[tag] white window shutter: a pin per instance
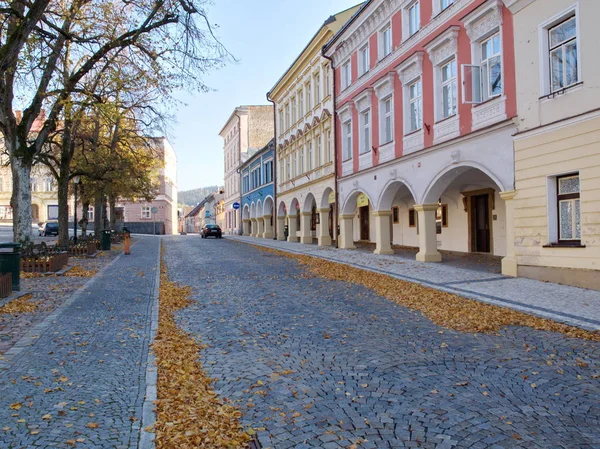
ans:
(471, 84)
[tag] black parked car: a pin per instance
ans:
(49, 228)
(211, 230)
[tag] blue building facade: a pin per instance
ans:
(258, 193)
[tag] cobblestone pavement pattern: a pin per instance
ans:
(571, 305)
(320, 363)
(83, 377)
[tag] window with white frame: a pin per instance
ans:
(317, 81)
(294, 111)
(90, 213)
(327, 80)
(415, 106)
(308, 97)
(569, 208)
(385, 42)
(346, 74)
(482, 82)
(448, 89)
(363, 60)
(288, 166)
(146, 212)
(281, 122)
(287, 116)
(386, 118)
(414, 18)
(268, 169)
(347, 139)
(319, 151)
(562, 45)
(309, 156)
(300, 103)
(328, 146)
(365, 131)
(445, 3)
(294, 164)
(301, 160)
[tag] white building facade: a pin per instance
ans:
(425, 102)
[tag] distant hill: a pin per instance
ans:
(194, 196)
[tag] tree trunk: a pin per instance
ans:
(105, 223)
(98, 206)
(113, 216)
(21, 199)
(63, 209)
(84, 220)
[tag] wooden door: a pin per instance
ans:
(480, 223)
(364, 223)
(331, 221)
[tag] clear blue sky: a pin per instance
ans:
(265, 36)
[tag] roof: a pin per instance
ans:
(268, 147)
(337, 35)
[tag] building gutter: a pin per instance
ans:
(275, 208)
(335, 152)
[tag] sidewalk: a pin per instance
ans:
(80, 375)
(571, 305)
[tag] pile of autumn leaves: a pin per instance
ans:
(189, 414)
(444, 309)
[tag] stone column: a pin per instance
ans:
(246, 226)
(260, 228)
(427, 234)
(268, 232)
(292, 228)
(281, 228)
(346, 237)
(383, 239)
(323, 228)
(253, 227)
(509, 262)
(305, 233)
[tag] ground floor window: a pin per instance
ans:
(569, 208)
(6, 213)
(441, 218)
(146, 212)
(53, 212)
(395, 214)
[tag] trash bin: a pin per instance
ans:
(286, 231)
(10, 262)
(105, 240)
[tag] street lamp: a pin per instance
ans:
(76, 180)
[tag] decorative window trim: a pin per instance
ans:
(437, 7)
(380, 44)
(363, 101)
(443, 47)
(384, 87)
(484, 21)
(408, 72)
(345, 84)
(544, 49)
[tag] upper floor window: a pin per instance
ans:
(445, 3)
(319, 150)
(347, 140)
(448, 89)
(328, 147)
(294, 164)
(346, 74)
(415, 106)
(363, 60)
(294, 110)
(301, 160)
(288, 168)
(281, 123)
(308, 97)
(317, 81)
(491, 67)
(309, 156)
(385, 39)
(300, 103)
(365, 131)
(563, 54)
(386, 120)
(268, 170)
(287, 116)
(414, 18)
(327, 80)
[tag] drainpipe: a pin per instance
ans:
(274, 214)
(336, 215)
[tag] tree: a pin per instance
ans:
(36, 35)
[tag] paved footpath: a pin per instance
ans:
(78, 379)
(318, 363)
(571, 305)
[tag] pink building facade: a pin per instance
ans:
(425, 109)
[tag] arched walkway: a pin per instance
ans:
(326, 226)
(246, 220)
(293, 220)
(355, 219)
(308, 221)
(281, 220)
(267, 215)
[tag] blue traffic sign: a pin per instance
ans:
(236, 206)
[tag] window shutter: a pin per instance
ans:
(471, 84)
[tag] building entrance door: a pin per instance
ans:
(331, 221)
(364, 223)
(480, 223)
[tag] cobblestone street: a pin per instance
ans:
(77, 379)
(318, 363)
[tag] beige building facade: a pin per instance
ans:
(305, 153)
(248, 129)
(556, 206)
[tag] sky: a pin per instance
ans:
(265, 36)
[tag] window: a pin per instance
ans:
(6, 213)
(448, 72)
(48, 184)
(415, 106)
(386, 117)
(347, 139)
(246, 184)
(268, 169)
(301, 103)
(289, 171)
(327, 80)
(414, 18)
(445, 3)
(294, 111)
(483, 82)
(346, 75)
(294, 164)
(90, 213)
(317, 80)
(287, 116)
(569, 208)
(412, 218)
(146, 212)
(301, 160)
(308, 98)
(328, 147)
(309, 163)
(365, 127)
(562, 44)
(441, 218)
(395, 215)
(319, 150)
(363, 60)
(385, 39)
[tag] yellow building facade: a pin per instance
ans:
(556, 204)
(305, 153)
